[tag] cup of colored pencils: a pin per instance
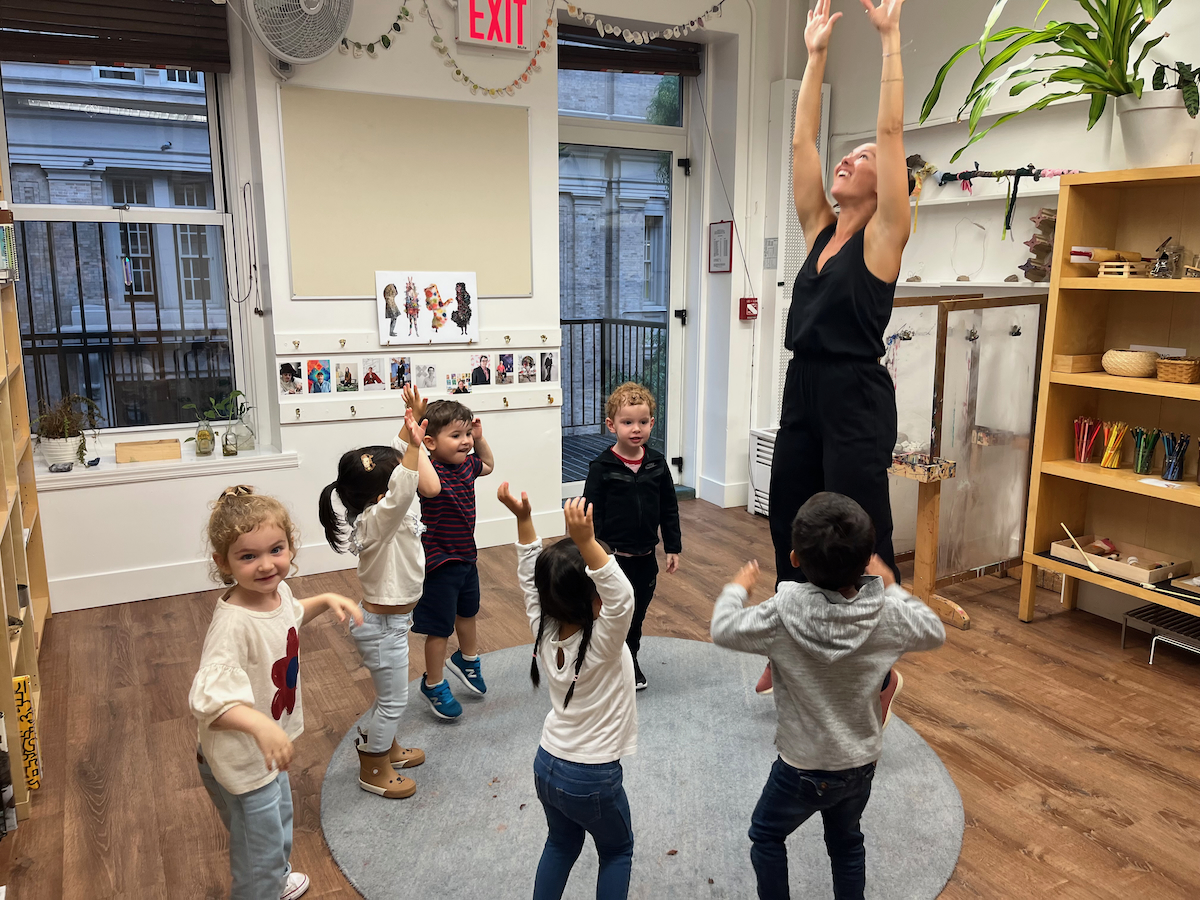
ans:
(1114, 436)
(1144, 442)
(1173, 449)
(1086, 430)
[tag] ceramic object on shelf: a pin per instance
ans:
(1156, 129)
(1131, 363)
(60, 450)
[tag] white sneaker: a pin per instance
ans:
(297, 886)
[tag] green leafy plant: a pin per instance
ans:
(229, 408)
(1096, 57)
(1185, 80)
(72, 416)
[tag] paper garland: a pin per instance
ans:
(442, 47)
(644, 37)
(384, 40)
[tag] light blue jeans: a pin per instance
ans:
(383, 645)
(260, 834)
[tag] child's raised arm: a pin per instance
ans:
(737, 627)
(428, 483)
(526, 533)
(483, 449)
(529, 548)
(580, 527)
(612, 585)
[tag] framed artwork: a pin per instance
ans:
(318, 376)
(346, 376)
(291, 378)
(400, 372)
(426, 308)
(549, 367)
(504, 369)
(374, 375)
(720, 247)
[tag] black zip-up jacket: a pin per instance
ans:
(629, 508)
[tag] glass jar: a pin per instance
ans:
(206, 440)
(244, 434)
(229, 445)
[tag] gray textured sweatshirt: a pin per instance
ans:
(829, 656)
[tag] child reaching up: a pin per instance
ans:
(579, 604)
(831, 642)
(246, 694)
(378, 488)
(450, 600)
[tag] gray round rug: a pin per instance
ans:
(475, 827)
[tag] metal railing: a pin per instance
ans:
(600, 354)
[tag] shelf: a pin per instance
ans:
(23, 446)
(1166, 176)
(969, 287)
(14, 647)
(1102, 381)
(957, 196)
(1141, 285)
(1083, 573)
(1122, 480)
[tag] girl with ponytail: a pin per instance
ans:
(377, 487)
(580, 605)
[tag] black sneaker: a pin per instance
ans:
(639, 679)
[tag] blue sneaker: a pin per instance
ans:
(441, 701)
(468, 672)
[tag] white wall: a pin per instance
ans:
(146, 539)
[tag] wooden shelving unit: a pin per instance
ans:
(22, 550)
(1127, 210)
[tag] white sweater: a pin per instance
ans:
(387, 539)
(249, 659)
(600, 725)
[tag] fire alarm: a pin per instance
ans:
(748, 308)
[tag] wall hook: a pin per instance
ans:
(973, 335)
(342, 343)
(353, 411)
(1015, 331)
(297, 412)
(543, 339)
(507, 338)
(296, 344)
(550, 398)
(470, 341)
(505, 399)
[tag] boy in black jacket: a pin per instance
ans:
(632, 496)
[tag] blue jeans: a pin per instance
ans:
(790, 797)
(383, 645)
(582, 799)
(260, 834)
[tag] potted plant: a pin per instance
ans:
(230, 410)
(1153, 125)
(62, 428)
(1093, 58)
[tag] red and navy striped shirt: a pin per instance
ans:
(450, 516)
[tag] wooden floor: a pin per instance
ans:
(1079, 765)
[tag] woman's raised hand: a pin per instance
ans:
(820, 27)
(885, 17)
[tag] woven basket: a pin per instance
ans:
(1179, 369)
(1131, 363)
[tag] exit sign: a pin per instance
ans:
(496, 24)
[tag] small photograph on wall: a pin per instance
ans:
(549, 367)
(426, 307)
(400, 372)
(318, 376)
(374, 375)
(458, 383)
(481, 369)
(504, 369)
(347, 376)
(425, 377)
(528, 373)
(291, 378)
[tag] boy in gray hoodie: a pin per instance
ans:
(831, 643)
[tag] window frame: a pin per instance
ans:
(239, 328)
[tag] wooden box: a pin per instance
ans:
(1074, 363)
(1064, 549)
(148, 451)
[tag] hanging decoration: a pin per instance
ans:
(384, 41)
(443, 47)
(645, 37)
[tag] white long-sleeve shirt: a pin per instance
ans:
(600, 725)
(250, 659)
(387, 539)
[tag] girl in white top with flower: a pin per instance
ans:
(246, 694)
(580, 604)
(377, 486)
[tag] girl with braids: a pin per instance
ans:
(377, 486)
(580, 604)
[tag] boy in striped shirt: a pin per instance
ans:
(450, 599)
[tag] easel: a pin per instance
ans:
(930, 470)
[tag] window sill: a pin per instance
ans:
(190, 466)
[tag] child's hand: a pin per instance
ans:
(344, 606)
(519, 508)
(672, 563)
(580, 527)
(747, 576)
(415, 426)
(414, 401)
(477, 429)
(275, 745)
(878, 567)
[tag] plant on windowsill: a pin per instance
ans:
(229, 410)
(1095, 58)
(62, 428)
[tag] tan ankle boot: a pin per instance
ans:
(375, 774)
(406, 758)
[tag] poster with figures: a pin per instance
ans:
(426, 308)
